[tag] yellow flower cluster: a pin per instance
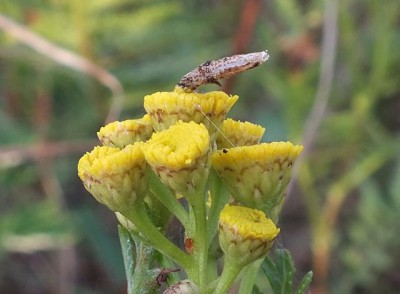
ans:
(174, 140)
(177, 139)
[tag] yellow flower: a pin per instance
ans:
(245, 234)
(258, 175)
(122, 133)
(167, 108)
(116, 178)
(180, 156)
(237, 133)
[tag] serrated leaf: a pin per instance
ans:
(280, 273)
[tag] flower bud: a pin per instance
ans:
(122, 133)
(257, 176)
(116, 178)
(180, 156)
(167, 108)
(245, 234)
(236, 133)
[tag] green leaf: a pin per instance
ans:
(272, 274)
(281, 272)
(128, 254)
(285, 267)
(105, 248)
(304, 283)
(256, 290)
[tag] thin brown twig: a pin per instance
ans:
(319, 108)
(68, 59)
(14, 155)
(321, 246)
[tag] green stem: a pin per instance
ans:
(219, 197)
(200, 239)
(249, 277)
(228, 277)
(141, 220)
(167, 198)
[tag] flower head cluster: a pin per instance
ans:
(174, 138)
(183, 135)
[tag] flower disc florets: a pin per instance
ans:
(180, 155)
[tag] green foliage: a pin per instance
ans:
(370, 252)
(28, 229)
(106, 249)
(280, 274)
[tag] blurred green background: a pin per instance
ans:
(332, 83)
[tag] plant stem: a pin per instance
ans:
(219, 197)
(200, 239)
(141, 220)
(230, 272)
(168, 199)
(249, 277)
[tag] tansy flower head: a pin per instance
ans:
(166, 108)
(237, 133)
(180, 155)
(122, 133)
(245, 234)
(116, 178)
(258, 175)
